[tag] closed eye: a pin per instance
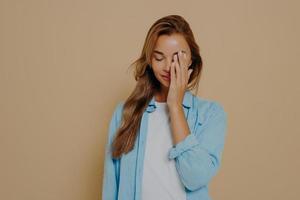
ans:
(159, 59)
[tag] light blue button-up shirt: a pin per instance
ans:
(197, 157)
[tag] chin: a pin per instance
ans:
(165, 84)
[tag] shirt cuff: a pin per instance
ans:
(187, 143)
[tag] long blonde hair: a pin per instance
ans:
(147, 84)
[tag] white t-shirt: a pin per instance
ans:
(160, 179)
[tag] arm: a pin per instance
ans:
(110, 177)
(198, 155)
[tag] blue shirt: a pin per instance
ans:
(197, 156)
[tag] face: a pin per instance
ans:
(162, 57)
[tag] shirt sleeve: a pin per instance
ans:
(198, 155)
(110, 176)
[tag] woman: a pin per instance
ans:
(164, 143)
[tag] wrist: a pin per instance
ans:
(174, 107)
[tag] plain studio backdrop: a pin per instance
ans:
(64, 65)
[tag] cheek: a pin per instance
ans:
(157, 69)
(157, 65)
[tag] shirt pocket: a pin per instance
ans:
(199, 119)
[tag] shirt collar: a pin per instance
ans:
(187, 101)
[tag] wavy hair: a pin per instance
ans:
(147, 84)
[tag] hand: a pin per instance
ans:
(179, 79)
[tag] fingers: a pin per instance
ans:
(181, 73)
(189, 70)
(178, 71)
(183, 67)
(173, 77)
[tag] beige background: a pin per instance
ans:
(64, 66)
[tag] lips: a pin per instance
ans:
(166, 77)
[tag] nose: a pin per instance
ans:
(168, 64)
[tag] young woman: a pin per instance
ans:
(164, 143)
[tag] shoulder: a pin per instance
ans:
(115, 120)
(207, 108)
(117, 113)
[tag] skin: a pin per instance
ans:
(172, 91)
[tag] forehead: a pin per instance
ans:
(169, 44)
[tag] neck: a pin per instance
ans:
(162, 95)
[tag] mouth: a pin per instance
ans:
(167, 78)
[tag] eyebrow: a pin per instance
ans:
(159, 52)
